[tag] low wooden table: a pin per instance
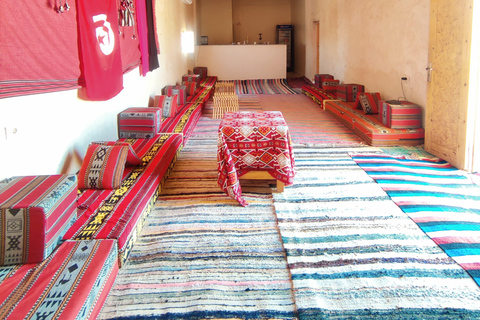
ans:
(254, 145)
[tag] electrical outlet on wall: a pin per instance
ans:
(405, 78)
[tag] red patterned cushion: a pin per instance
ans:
(202, 71)
(132, 158)
(330, 86)
(168, 104)
(139, 122)
(191, 77)
(190, 87)
(178, 90)
(369, 102)
(35, 212)
(320, 78)
(102, 167)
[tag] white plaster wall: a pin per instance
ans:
(244, 62)
(51, 125)
(374, 43)
(173, 17)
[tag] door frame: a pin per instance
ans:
(459, 152)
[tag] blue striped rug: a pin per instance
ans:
(201, 255)
(441, 199)
(353, 254)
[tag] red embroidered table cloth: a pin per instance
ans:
(250, 141)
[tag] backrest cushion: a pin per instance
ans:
(132, 158)
(369, 102)
(102, 167)
(168, 104)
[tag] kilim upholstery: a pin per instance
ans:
(83, 236)
(119, 214)
(370, 129)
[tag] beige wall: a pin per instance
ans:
(373, 43)
(300, 33)
(242, 62)
(173, 17)
(251, 17)
(51, 125)
(215, 21)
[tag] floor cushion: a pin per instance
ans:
(73, 283)
(36, 211)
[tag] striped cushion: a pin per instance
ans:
(119, 214)
(349, 92)
(132, 158)
(139, 123)
(369, 102)
(102, 167)
(35, 213)
(202, 71)
(190, 87)
(191, 78)
(179, 90)
(168, 104)
(320, 78)
(73, 283)
(330, 86)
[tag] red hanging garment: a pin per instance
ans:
(100, 58)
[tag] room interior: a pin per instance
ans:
(374, 43)
(343, 32)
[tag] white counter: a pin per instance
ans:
(243, 62)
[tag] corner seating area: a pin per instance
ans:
(382, 124)
(64, 237)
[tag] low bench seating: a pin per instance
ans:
(317, 95)
(188, 114)
(366, 126)
(72, 283)
(370, 129)
(184, 121)
(85, 224)
(120, 213)
(35, 213)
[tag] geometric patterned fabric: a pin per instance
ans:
(119, 214)
(35, 212)
(253, 141)
(102, 167)
(72, 283)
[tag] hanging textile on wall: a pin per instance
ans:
(141, 11)
(146, 35)
(129, 42)
(100, 48)
(152, 37)
(38, 48)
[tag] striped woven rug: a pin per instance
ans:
(264, 86)
(309, 125)
(207, 127)
(201, 255)
(353, 254)
(441, 199)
